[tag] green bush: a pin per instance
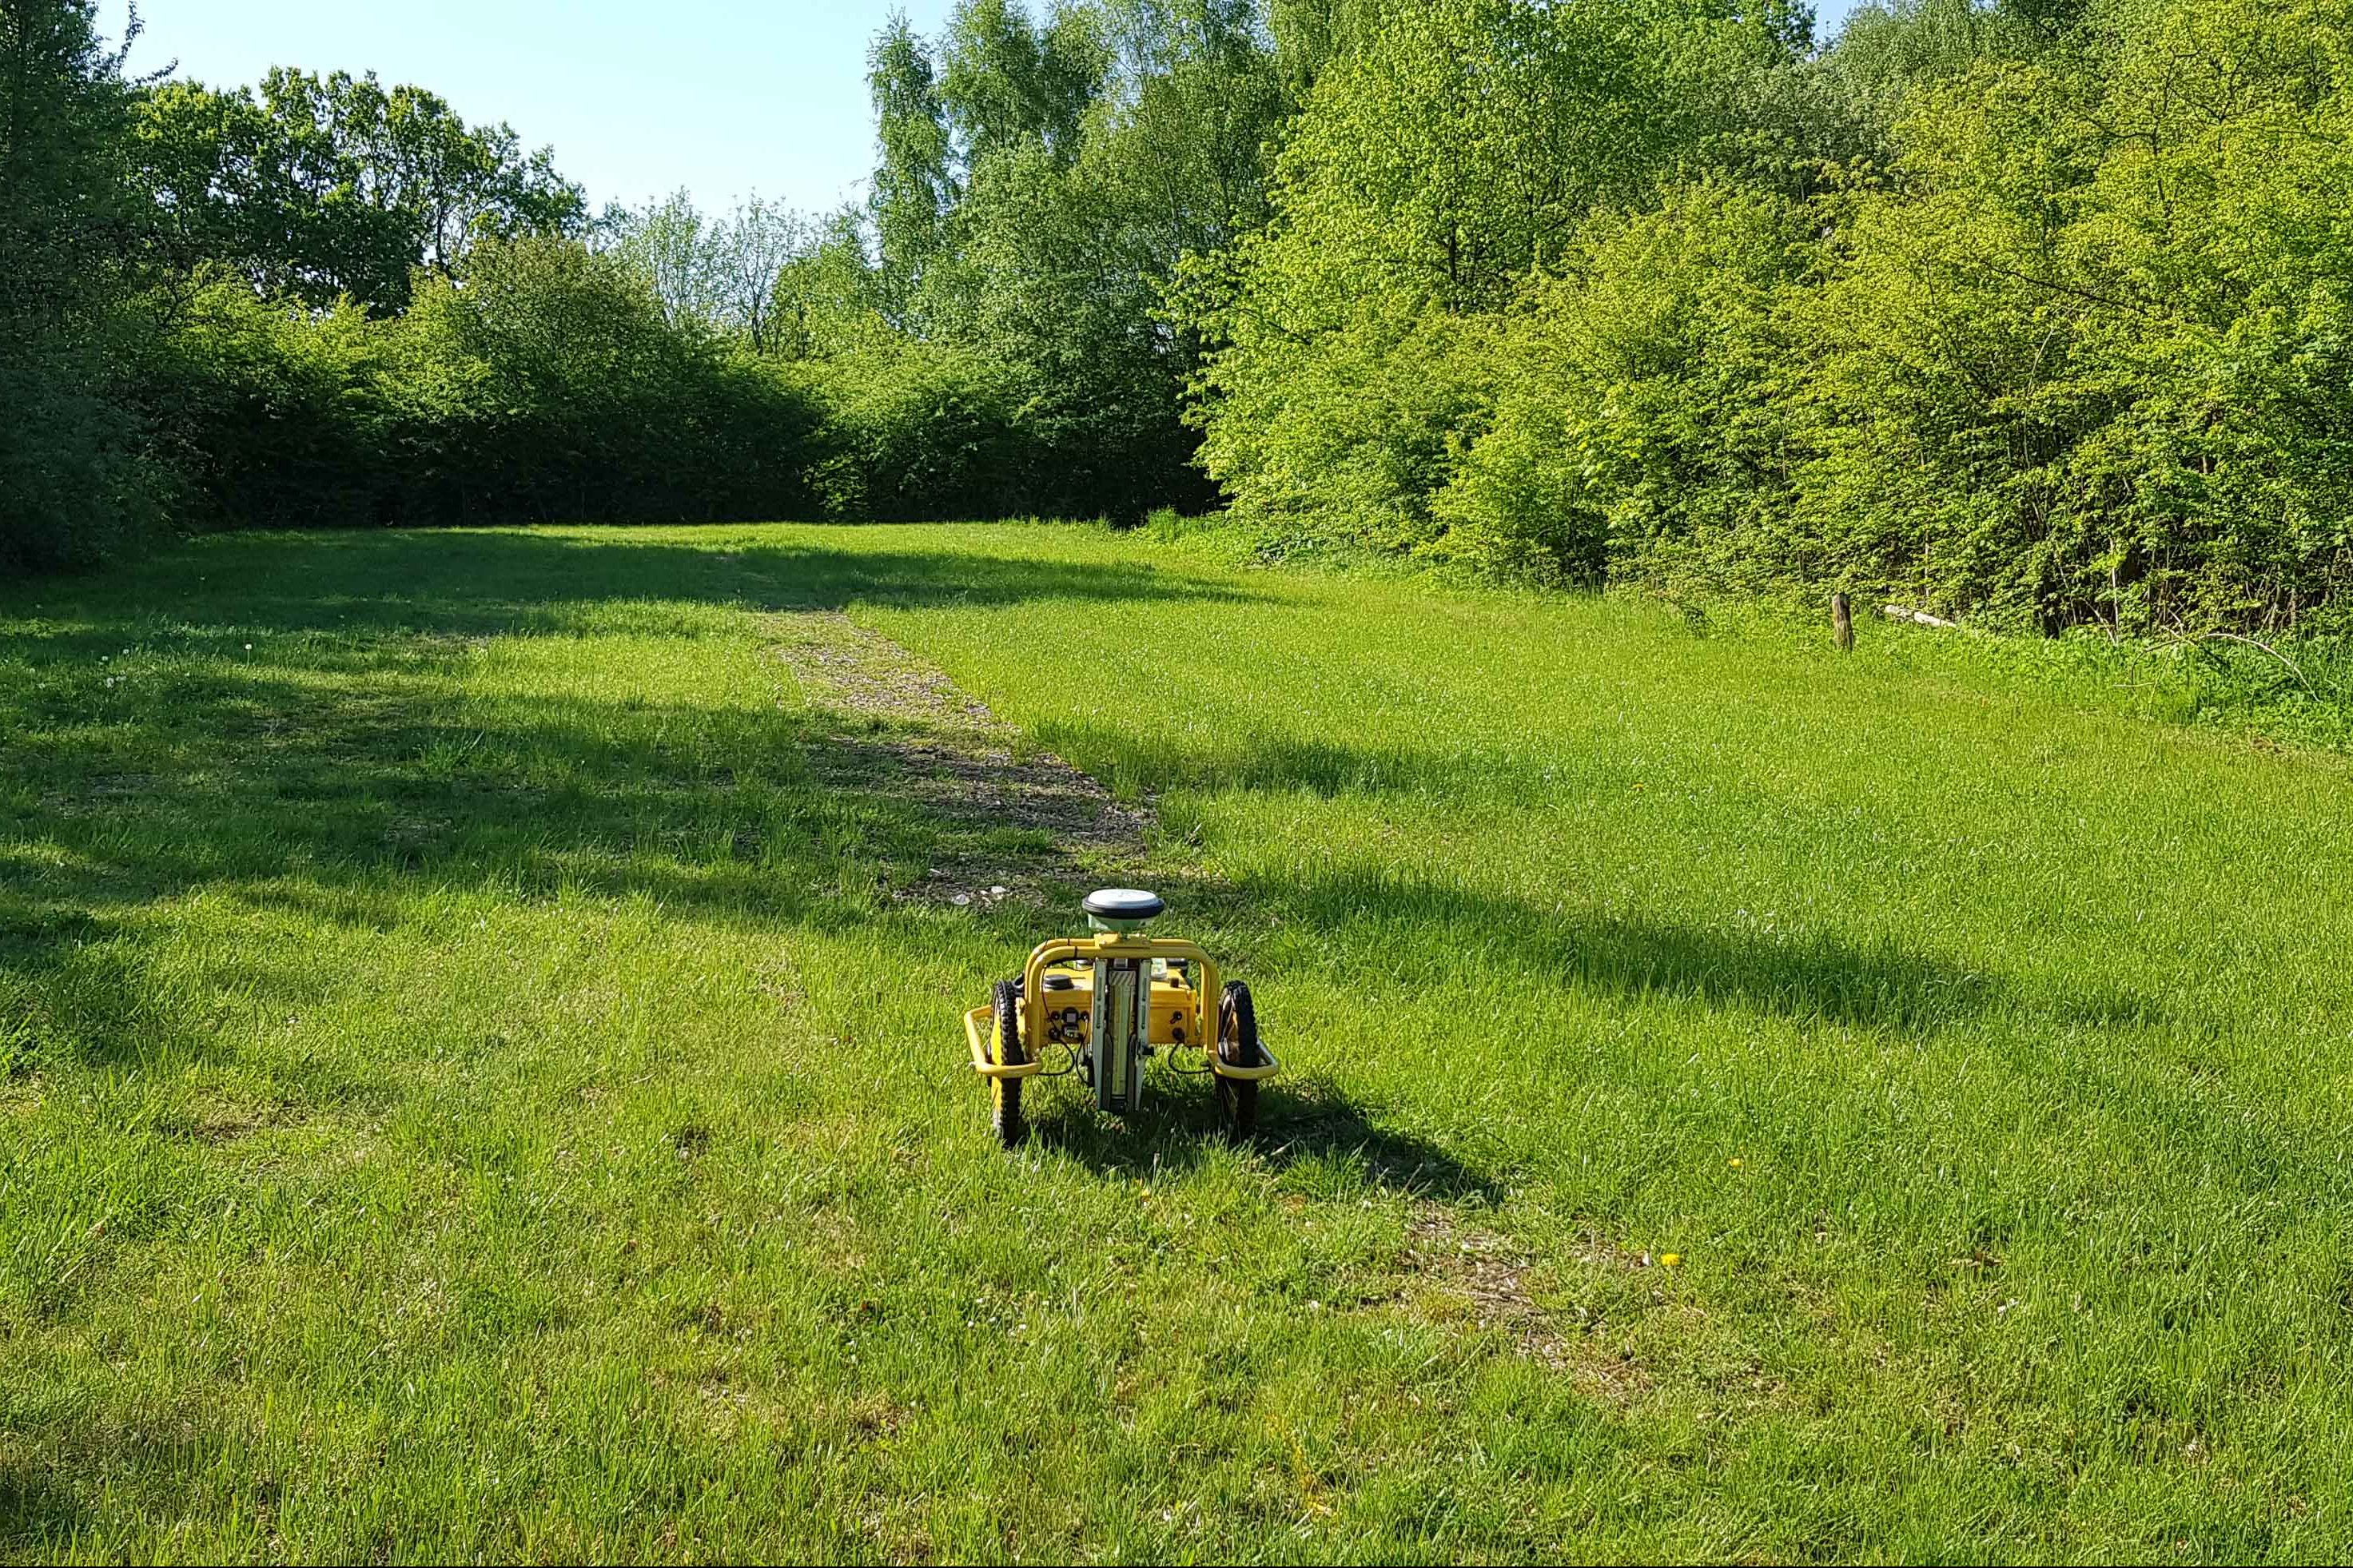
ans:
(1424, 200)
(270, 415)
(76, 485)
(1641, 419)
(2038, 312)
(2088, 360)
(2065, 340)
(917, 432)
(550, 385)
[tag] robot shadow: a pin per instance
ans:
(1308, 1129)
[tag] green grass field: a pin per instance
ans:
(480, 1076)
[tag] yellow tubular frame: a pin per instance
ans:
(1107, 944)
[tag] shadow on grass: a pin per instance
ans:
(1424, 931)
(468, 582)
(352, 801)
(342, 788)
(343, 808)
(342, 768)
(339, 785)
(1310, 1130)
(36, 1513)
(68, 990)
(1427, 934)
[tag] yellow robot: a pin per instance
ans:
(1109, 1001)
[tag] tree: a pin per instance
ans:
(1453, 152)
(721, 274)
(1043, 181)
(1007, 80)
(1066, 253)
(2088, 361)
(750, 251)
(64, 218)
(913, 187)
(74, 482)
(829, 297)
(664, 243)
(321, 187)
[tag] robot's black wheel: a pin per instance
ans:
(1004, 1050)
(1238, 1048)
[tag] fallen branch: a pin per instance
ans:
(2290, 665)
(1919, 617)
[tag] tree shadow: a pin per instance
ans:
(343, 776)
(350, 811)
(1312, 1120)
(347, 783)
(480, 582)
(1428, 929)
(1431, 934)
(68, 989)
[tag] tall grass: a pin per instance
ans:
(473, 1086)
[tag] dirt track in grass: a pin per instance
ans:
(905, 728)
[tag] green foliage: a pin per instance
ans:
(269, 413)
(320, 187)
(328, 300)
(75, 484)
(1036, 206)
(1642, 404)
(1007, 82)
(62, 211)
(1437, 168)
(912, 187)
(723, 275)
(913, 431)
(551, 385)
(830, 298)
(2089, 363)
(2034, 312)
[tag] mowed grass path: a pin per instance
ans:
(470, 1087)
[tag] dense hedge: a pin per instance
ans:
(2035, 314)
(549, 386)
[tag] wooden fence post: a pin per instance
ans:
(1842, 621)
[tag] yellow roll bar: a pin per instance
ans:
(1105, 944)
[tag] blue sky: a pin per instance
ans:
(638, 97)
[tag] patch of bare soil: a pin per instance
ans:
(949, 755)
(1466, 1272)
